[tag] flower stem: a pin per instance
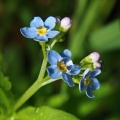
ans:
(56, 39)
(43, 48)
(27, 94)
(37, 84)
(53, 43)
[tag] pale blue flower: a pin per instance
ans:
(40, 31)
(89, 82)
(62, 65)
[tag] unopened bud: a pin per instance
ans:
(96, 65)
(58, 20)
(66, 23)
(95, 56)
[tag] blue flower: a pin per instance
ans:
(89, 82)
(39, 30)
(62, 65)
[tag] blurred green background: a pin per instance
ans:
(95, 27)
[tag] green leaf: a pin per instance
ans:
(4, 103)
(1, 61)
(55, 101)
(79, 35)
(4, 83)
(6, 98)
(106, 38)
(44, 113)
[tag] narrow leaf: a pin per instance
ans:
(106, 38)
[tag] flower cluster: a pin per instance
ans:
(61, 64)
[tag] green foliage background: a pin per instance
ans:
(95, 27)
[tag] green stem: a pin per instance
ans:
(43, 69)
(37, 83)
(43, 48)
(44, 64)
(27, 94)
(57, 39)
(53, 43)
(47, 81)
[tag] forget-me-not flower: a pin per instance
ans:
(89, 82)
(62, 65)
(39, 30)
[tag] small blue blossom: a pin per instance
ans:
(40, 31)
(62, 65)
(89, 82)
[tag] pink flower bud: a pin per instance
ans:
(96, 65)
(94, 56)
(58, 20)
(66, 23)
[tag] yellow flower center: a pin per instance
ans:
(61, 66)
(87, 82)
(41, 30)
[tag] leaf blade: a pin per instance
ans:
(44, 113)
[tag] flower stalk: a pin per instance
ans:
(34, 88)
(37, 83)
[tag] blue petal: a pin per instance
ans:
(52, 34)
(89, 93)
(42, 38)
(69, 68)
(95, 85)
(67, 78)
(75, 70)
(50, 22)
(53, 57)
(28, 32)
(53, 72)
(66, 53)
(82, 85)
(95, 73)
(36, 22)
(86, 72)
(67, 61)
